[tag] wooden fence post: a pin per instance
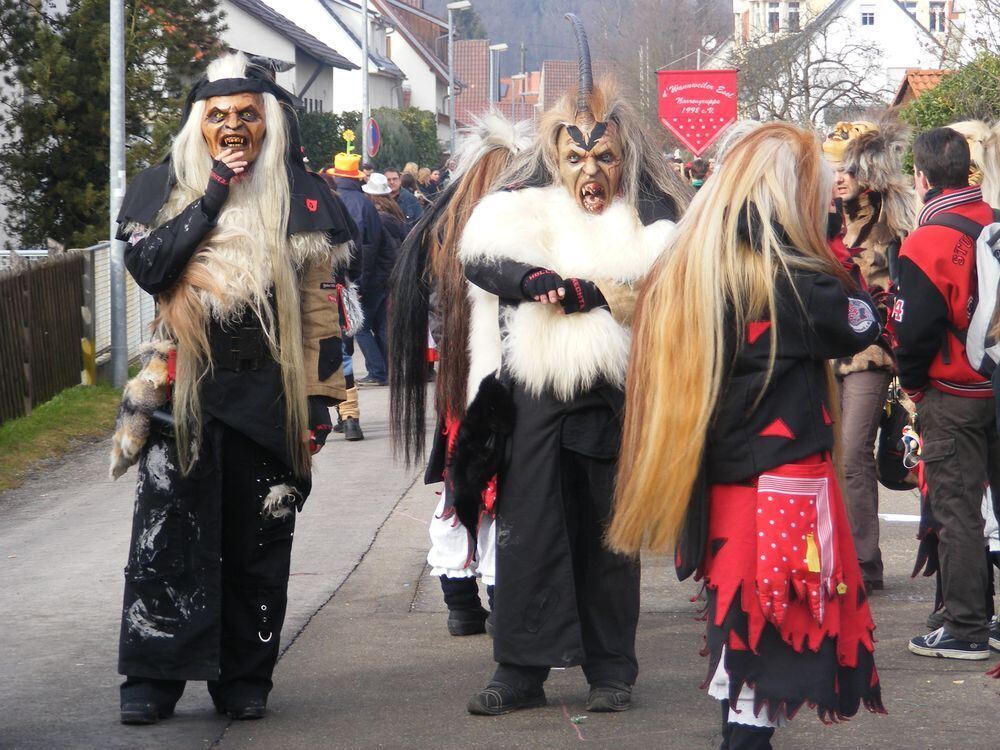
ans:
(89, 313)
(27, 394)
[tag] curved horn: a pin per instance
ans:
(583, 114)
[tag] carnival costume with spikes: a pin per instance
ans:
(245, 361)
(586, 210)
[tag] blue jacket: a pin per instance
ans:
(410, 207)
(369, 229)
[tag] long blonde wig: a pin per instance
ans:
(234, 270)
(678, 362)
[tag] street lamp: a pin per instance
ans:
(452, 7)
(495, 71)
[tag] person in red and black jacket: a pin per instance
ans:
(955, 404)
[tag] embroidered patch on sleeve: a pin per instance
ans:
(859, 315)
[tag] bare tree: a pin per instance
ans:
(819, 74)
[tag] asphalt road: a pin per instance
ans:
(369, 663)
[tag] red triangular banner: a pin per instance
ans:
(697, 105)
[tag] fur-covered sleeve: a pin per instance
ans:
(321, 331)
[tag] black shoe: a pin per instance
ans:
(143, 712)
(467, 621)
(352, 429)
(498, 698)
(339, 427)
(606, 697)
(942, 644)
(368, 380)
(248, 710)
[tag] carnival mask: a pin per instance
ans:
(235, 122)
(590, 165)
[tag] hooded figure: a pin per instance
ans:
(238, 243)
(879, 209)
(555, 260)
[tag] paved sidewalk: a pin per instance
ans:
(370, 663)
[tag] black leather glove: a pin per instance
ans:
(319, 423)
(582, 296)
(540, 281)
(218, 189)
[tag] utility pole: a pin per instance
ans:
(524, 52)
(365, 113)
(116, 106)
(452, 7)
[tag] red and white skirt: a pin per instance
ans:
(788, 619)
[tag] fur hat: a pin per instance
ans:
(843, 133)
(875, 156)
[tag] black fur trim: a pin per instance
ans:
(479, 449)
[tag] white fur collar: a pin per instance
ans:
(543, 350)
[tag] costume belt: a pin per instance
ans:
(239, 348)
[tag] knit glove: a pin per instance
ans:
(319, 423)
(218, 188)
(539, 282)
(582, 296)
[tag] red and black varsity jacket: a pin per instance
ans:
(937, 287)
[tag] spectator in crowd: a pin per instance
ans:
(377, 264)
(698, 173)
(879, 209)
(424, 190)
(366, 171)
(408, 181)
(411, 168)
(955, 403)
(347, 179)
(406, 200)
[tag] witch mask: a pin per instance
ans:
(235, 122)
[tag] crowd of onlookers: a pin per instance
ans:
(384, 207)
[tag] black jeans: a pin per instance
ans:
(961, 453)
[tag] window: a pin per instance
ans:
(937, 19)
(867, 15)
(793, 17)
(911, 7)
(773, 17)
(313, 105)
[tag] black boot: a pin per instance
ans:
(513, 687)
(609, 696)
(352, 429)
(466, 615)
(743, 737)
(146, 701)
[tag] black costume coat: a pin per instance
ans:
(171, 620)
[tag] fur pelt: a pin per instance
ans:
(479, 449)
(281, 501)
(875, 158)
(544, 350)
(143, 394)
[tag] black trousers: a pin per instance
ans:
(255, 556)
(607, 584)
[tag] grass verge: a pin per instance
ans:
(78, 414)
